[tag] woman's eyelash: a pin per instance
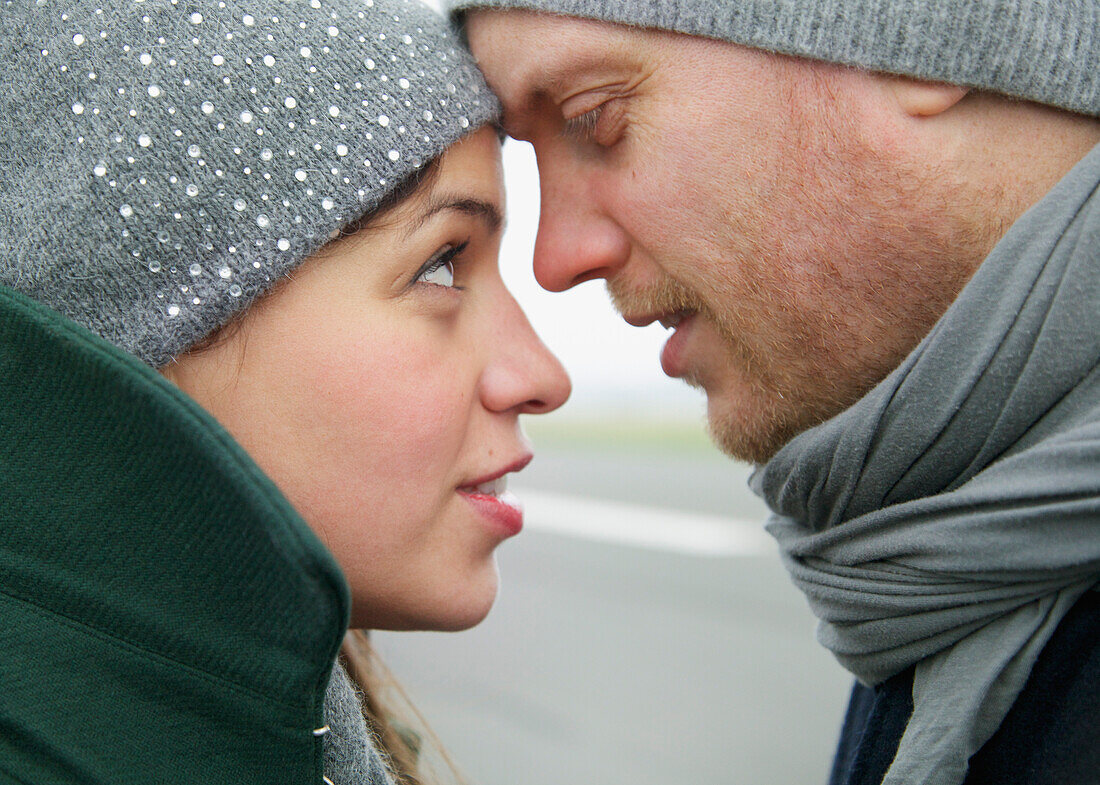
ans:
(583, 127)
(443, 257)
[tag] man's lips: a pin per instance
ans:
(667, 320)
(673, 357)
(673, 361)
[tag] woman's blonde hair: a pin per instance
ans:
(414, 753)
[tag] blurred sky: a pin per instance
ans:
(615, 367)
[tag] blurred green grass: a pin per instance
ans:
(619, 433)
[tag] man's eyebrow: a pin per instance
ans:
(533, 94)
(551, 81)
(488, 212)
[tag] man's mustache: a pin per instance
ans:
(665, 297)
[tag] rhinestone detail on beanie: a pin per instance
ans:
(204, 149)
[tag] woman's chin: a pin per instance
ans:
(452, 613)
(459, 621)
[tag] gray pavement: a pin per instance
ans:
(612, 663)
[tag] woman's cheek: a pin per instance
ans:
(405, 394)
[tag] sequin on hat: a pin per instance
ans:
(166, 162)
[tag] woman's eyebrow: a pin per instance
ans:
(488, 212)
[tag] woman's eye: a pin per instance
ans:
(441, 274)
(440, 269)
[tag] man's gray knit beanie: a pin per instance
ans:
(163, 162)
(1041, 50)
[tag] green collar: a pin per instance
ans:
(164, 608)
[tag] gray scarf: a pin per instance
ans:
(350, 755)
(951, 517)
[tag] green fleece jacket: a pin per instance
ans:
(165, 615)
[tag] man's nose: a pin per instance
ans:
(578, 240)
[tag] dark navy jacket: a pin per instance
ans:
(1051, 735)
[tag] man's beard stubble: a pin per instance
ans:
(830, 279)
(777, 419)
(793, 374)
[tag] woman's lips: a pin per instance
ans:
(673, 361)
(492, 499)
(504, 510)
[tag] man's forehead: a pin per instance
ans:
(535, 57)
(534, 47)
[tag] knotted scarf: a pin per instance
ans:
(951, 517)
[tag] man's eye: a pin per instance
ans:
(603, 125)
(440, 269)
(582, 128)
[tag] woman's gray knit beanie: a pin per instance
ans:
(163, 162)
(1041, 50)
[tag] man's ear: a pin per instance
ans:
(918, 98)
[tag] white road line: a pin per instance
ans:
(644, 527)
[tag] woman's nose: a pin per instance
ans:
(522, 374)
